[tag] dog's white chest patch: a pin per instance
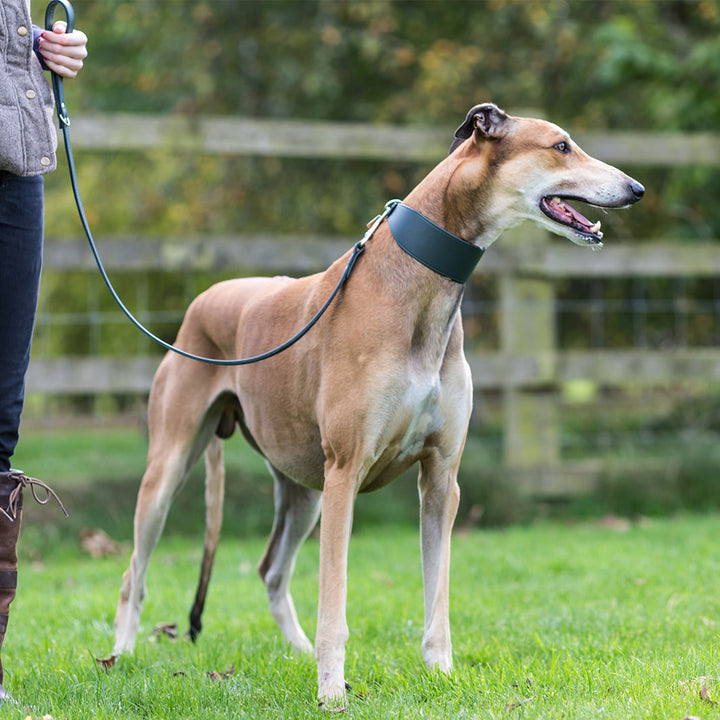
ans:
(425, 418)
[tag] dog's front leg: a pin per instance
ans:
(332, 631)
(439, 499)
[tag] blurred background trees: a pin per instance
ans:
(634, 64)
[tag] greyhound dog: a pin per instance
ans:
(380, 383)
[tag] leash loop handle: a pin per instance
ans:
(57, 81)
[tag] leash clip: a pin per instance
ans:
(373, 225)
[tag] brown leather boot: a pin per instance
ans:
(10, 518)
(11, 486)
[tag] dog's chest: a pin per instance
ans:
(422, 410)
(409, 421)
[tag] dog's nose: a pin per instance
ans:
(637, 189)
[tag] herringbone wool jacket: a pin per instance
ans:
(27, 136)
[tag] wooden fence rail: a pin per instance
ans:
(309, 253)
(316, 139)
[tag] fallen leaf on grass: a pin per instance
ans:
(701, 683)
(168, 630)
(107, 662)
(518, 703)
(223, 675)
(528, 682)
(705, 695)
(98, 544)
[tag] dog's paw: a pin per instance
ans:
(332, 706)
(437, 655)
(333, 699)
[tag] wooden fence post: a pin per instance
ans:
(531, 431)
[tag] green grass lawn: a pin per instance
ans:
(551, 621)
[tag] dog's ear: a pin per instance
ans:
(489, 120)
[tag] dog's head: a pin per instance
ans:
(522, 168)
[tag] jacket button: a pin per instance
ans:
(44, 161)
(30, 94)
(22, 31)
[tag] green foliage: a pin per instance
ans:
(629, 65)
(418, 61)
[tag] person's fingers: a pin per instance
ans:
(63, 52)
(62, 65)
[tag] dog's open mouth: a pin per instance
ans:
(559, 210)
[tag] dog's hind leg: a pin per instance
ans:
(439, 500)
(297, 509)
(181, 424)
(214, 496)
(162, 477)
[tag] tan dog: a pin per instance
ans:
(379, 384)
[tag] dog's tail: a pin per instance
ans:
(214, 497)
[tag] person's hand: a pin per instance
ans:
(63, 52)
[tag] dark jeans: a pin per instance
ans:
(21, 241)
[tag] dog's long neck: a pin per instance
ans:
(456, 196)
(425, 303)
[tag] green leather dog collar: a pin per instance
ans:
(437, 249)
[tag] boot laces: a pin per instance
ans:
(33, 483)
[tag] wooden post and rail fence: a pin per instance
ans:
(528, 367)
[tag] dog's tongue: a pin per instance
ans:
(571, 216)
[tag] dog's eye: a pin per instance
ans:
(562, 147)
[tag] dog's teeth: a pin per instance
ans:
(596, 228)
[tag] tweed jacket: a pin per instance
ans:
(27, 136)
